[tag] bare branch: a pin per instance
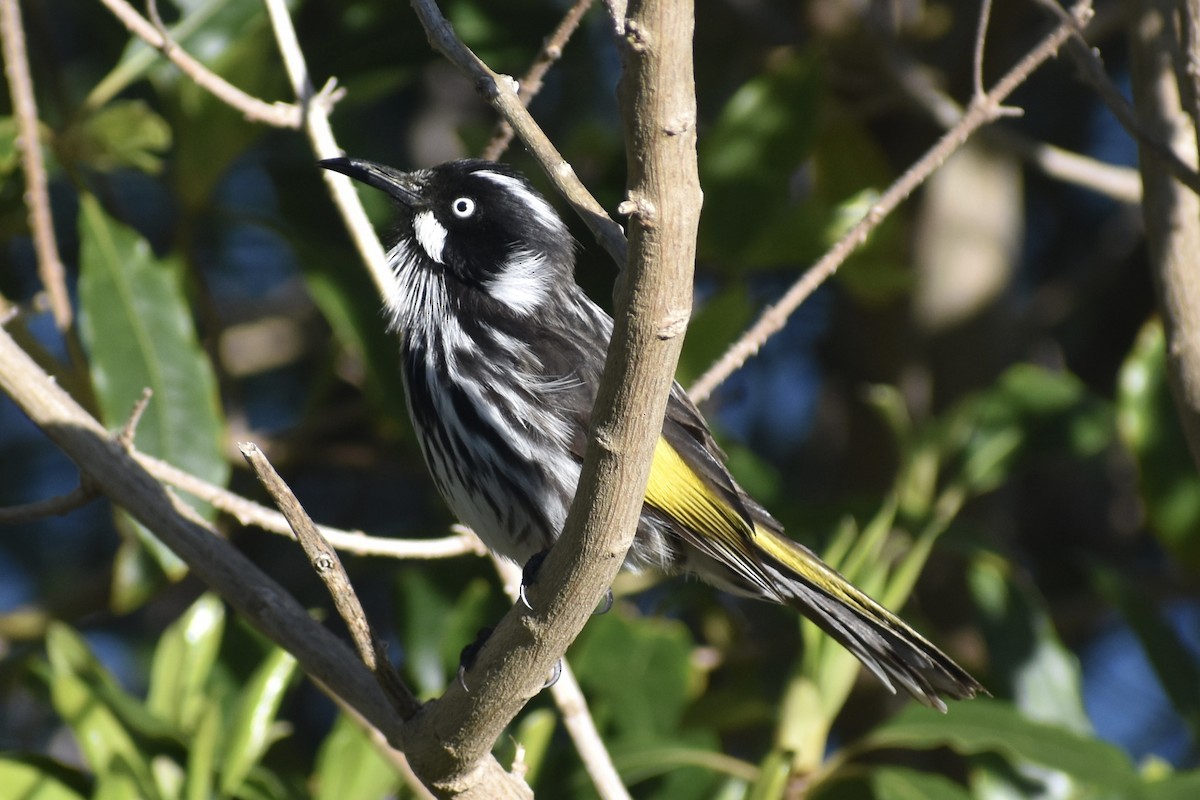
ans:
(1092, 68)
(1171, 210)
(531, 83)
(255, 595)
(279, 115)
(320, 135)
(37, 197)
(572, 705)
(652, 302)
(1123, 184)
(499, 91)
(249, 513)
(129, 429)
(982, 110)
(325, 562)
(985, 15)
(59, 506)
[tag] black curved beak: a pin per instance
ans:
(402, 186)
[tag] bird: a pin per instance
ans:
(501, 355)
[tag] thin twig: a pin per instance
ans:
(983, 109)
(279, 115)
(37, 197)
(1093, 72)
(1123, 184)
(329, 569)
(499, 91)
(531, 83)
(59, 506)
(129, 429)
(985, 15)
(320, 135)
(249, 513)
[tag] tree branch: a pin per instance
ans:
(653, 300)
(279, 115)
(982, 110)
(500, 93)
(1170, 209)
(320, 135)
(531, 82)
(325, 562)
(1122, 184)
(1092, 69)
(256, 596)
(37, 196)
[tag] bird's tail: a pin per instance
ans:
(891, 649)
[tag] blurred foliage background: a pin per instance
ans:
(973, 413)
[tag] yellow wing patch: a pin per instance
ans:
(675, 489)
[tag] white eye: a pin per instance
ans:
(463, 207)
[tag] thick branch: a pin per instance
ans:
(653, 300)
(256, 596)
(1171, 210)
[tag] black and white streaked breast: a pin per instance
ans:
(480, 395)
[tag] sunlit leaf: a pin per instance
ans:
(137, 326)
(1149, 426)
(1026, 654)
(989, 726)
(124, 133)
(183, 661)
(349, 765)
(254, 727)
(35, 777)
(107, 744)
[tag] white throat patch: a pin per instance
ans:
(431, 236)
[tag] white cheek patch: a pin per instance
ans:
(521, 283)
(431, 236)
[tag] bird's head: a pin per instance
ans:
(480, 222)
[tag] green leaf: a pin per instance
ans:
(437, 626)
(35, 777)
(534, 735)
(183, 661)
(137, 327)
(108, 746)
(897, 783)
(202, 754)
(982, 726)
(1029, 410)
(254, 728)
(125, 133)
(1148, 424)
(1182, 786)
(9, 156)
(747, 159)
(615, 648)
(1042, 676)
(350, 766)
